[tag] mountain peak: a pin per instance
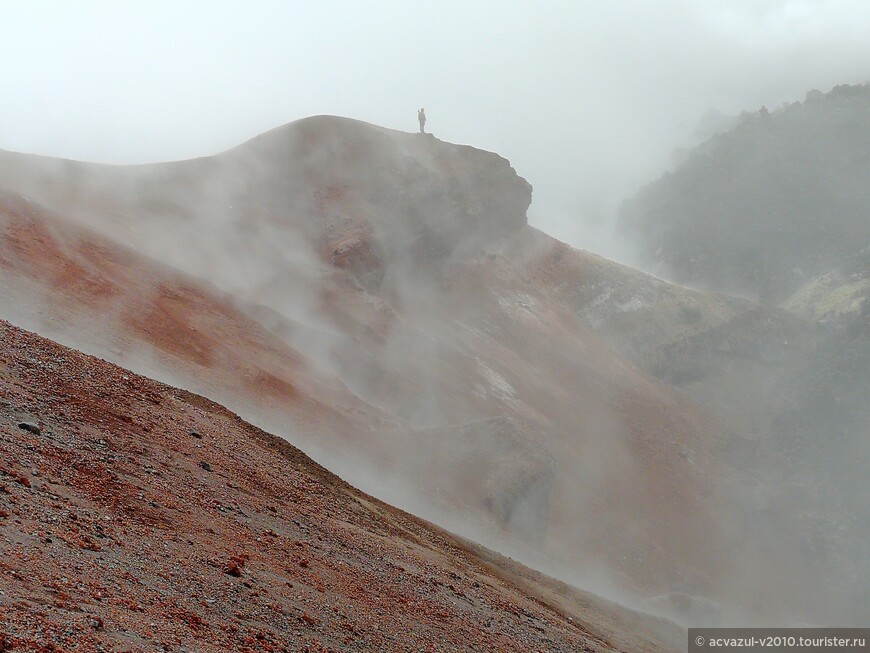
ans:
(418, 197)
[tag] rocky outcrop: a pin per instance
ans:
(424, 199)
(351, 245)
(422, 196)
(365, 197)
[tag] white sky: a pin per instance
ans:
(586, 98)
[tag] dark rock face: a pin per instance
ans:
(351, 245)
(30, 427)
(419, 199)
(761, 209)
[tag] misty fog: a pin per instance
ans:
(588, 100)
(599, 423)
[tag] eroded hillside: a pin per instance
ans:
(139, 516)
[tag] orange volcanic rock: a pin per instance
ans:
(60, 274)
(115, 536)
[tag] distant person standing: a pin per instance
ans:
(421, 118)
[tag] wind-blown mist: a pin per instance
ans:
(377, 298)
(386, 316)
(589, 99)
(776, 208)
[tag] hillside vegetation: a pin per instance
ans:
(763, 208)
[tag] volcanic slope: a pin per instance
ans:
(73, 284)
(379, 284)
(138, 516)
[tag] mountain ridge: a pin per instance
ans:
(456, 331)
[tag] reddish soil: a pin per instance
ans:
(196, 332)
(145, 518)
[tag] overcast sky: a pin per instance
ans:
(586, 98)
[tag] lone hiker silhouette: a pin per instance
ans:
(421, 118)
